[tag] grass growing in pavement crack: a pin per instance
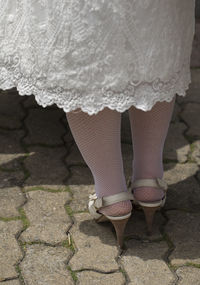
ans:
(24, 219)
(73, 274)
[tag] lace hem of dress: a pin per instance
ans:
(143, 95)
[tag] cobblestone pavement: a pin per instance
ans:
(46, 234)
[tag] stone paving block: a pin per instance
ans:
(189, 115)
(46, 167)
(80, 175)
(95, 244)
(126, 128)
(74, 156)
(136, 226)
(46, 265)
(195, 155)
(80, 197)
(44, 127)
(183, 230)
(11, 179)
(176, 112)
(176, 146)
(195, 58)
(10, 200)
(193, 91)
(144, 264)
(10, 110)
(11, 282)
(10, 149)
(10, 252)
(49, 221)
(184, 190)
(188, 275)
(95, 278)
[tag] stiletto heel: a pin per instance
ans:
(150, 208)
(149, 215)
(119, 222)
(119, 226)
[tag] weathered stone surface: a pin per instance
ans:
(10, 149)
(80, 175)
(11, 282)
(189, 115)
(80, 197)
(49, 221)
(195, 155)
(143, 262)
(42, 124)
(46, 265)
(195, 58)
(126, 128)
(183, 229)
(10, 253)
(188, 275)
(10, 110)
(11, 179)
(176, 112)
(194, 87)
(95, 278)
(176, 146)
(74, 156)
(95, 243)
(46, 167)
(184, 190)
(127, 155)
(136, 226)
(10, 200)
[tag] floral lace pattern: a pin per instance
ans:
(91, 54)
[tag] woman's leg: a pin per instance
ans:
(149, 131)
(99, 141)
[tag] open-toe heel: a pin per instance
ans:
(119, 222)
(150, 208)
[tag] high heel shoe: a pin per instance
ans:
(150, 208)
(119, 222)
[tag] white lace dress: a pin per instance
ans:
(92, 54)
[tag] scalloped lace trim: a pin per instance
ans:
(142, 95)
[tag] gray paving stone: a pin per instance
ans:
(143, 262)
(80, 175)
(95, 244)
(49, 221)
(10, 253)
(11, 179)
(10, 110)
(44, 127)
(11, 149)
(80, 197)
(195, 155)
(195, 58)
(46, 265)
(188, 275)
(95, 278)
(136, 226)
(176, 146)
(176, 112)
(189, 115)
(184, 190)
(193, 91)
(10, 200)
(46, 167)
(74, 156)
(183, 229)
(11, 282)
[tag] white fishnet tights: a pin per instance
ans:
(98, 138)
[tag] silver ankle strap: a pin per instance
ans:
(109, 200)
(157, 183)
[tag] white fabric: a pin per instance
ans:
(90, 54)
